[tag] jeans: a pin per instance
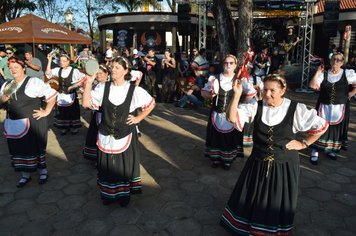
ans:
(193, 99)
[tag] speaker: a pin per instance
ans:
(331, 17)
(184, 27)
(184, 12)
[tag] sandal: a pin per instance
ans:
(43, 178)
(23, 181)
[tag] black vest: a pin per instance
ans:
(21, 106)
(114, 118)
(65, 83)
(270, 141)
(223, 99)
(334, 93)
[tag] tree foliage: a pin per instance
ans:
(11, 9)
(133, 5)
(50, 9)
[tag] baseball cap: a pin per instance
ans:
(134, 51)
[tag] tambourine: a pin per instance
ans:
(91, 67)
(10, 88)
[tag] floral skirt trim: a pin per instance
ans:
(240, 226)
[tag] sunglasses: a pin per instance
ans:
(8, 53)
(229, 63)
(337, 60)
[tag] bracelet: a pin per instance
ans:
(305, 142)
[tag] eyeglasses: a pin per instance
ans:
(9, 53)
(229, 62)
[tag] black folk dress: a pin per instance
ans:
(27, 152)
(118, 173)
(68, 115)
(223, 142)
(264, 199)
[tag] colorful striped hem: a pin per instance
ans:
(242, 226)
(327, 145)
(226, 156)
(28, 163)
(122, 189)
(90, 153)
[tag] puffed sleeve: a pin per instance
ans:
(245, 114)
(320, 78)
(77, 76)
(135, 75)
(308, 120)
(210, 84)
(97, 95)
(54, 72)
(351, 77)
(37, 88)
(141, 99)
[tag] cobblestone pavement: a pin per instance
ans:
(182, 194)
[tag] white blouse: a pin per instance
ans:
(304, 119)
(334, 113)
(63, 99)
(36, 88)
(219, 120)
(117, 95)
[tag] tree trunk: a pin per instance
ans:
(244, 27)
(225, 28)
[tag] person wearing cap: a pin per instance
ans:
(33, 66)
(137, 64)
(68, 117)
(4, 69)
(26, 126)
(290, 40)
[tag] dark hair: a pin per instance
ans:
(16, 60)
(9, 49)
(104, 68)
(126, 64)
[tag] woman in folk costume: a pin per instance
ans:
(223, 142)
(26, 125)
(118, 155)
(333, 96)
(68, 117)
(264, 199)
(90, 149)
